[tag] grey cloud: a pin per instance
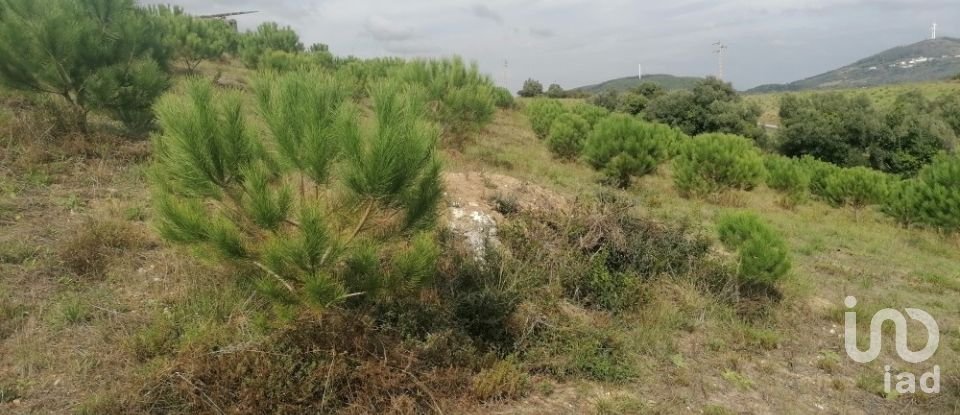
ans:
(485, 12)
(542, 32)
(386, 30)
(409, 48)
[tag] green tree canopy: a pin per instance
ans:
(531, 88)
(713, 106)
(555, 91)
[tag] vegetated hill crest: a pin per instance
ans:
(928, 60)
(668, 82)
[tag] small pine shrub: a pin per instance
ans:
(711, 163)
(763, 255)
(195, 39)
(254, 45)
(332, 213)
(467, 109)
(567, 136)
(589, 112)
(100, 55)
(857, 187)
(932, 198)
(789, 176)
(461, 99)
(542, 113)
(819, 172)
(623, 147)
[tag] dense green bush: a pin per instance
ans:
(567, 135)
(856, 187)
(631, 103)
(932, 198)
(254, 45)
(607, 99)
(589, 112)
(763, 255)
(332, 212)
(503, 98)
(193, 39)
(848, 131)
(531, 88)
(819, 172)
(711, 163)
(542, 113)
(712, 106)
(623, 147)
(789, 176)
(102, 55)
(948, 108)
(127, 93)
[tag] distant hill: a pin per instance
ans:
(929, 60)
(668, 82)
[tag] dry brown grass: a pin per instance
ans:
(90, 247)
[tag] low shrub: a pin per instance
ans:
(762, 253)
(623, 147)
(712, 163)
(505, 380)
(819, 172)
(542, 113)
(602, 254)
(567, 135)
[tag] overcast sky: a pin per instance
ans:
(578, 42)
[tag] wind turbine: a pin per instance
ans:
(721, 48)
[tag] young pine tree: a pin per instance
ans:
(195, 40)
(623, 147)
(857, 187)
(324, 209)
(711, 163)
(567, 135)
(763, 255)
(269, 36)
(932, 198)
(788, 175)
(104, 55)
(591, 113)
(541, 113)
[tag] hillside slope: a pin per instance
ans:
(931, 59)
(668, 82)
